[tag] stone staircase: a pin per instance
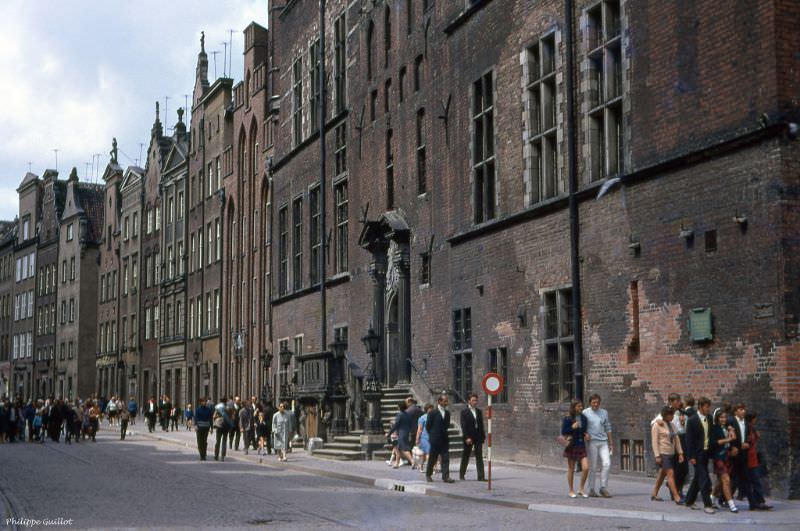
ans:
(348, 447)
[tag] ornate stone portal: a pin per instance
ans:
(387, 240)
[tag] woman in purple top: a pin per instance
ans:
(574, 427)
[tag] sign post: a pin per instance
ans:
(492, 385)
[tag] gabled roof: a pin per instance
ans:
(176, 157)
(92, 198)
(28, 179)
(111, 170)
(133, 176)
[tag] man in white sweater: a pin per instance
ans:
(601, 445)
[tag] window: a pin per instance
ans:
(297, 242)
(158, 217)
(135, 224)
(315, 242)
(157, 273)
(297, 91)
(425, 268)
(604, 45)
(283, 251)
(417, 73)
(340, 148)
(191, 319)
(192, 252)
(542, 122)
(340, 62)
(387, 96)
(401, 84)
(124, 338)
(210, 313)
(72, 268)
(409, 16)
(387, 35)
(32, 265)
(340, 197)
(26, 228)
(498, 363)
(200, 249)
(217, 309)
(63, 350)
(462, 329)
(462, 374)
(314, 92)
(632, 455)
(210, 182)
(148, 322)
(72, 310)
(149, 228)
(558, 345)
(126, 229)
(156, 321)
(210, 247)
(633, 343)
(370, 50)
(168, 321)
(373, 103)
(219, 167)
(218, 233)
(389, 171)
(483, 158)
(69, 232)
(422, 184)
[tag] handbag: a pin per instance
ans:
(564, 440)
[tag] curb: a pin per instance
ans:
(422, 489)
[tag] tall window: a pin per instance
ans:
(315, 242)
(200, 248)
(409, 16)
(340, 149)
(180, 208)
(297, 91)
(191, 318)
(401, 84)
(135, 272)
(604, 36)
(283, 250)
(542, 123)
(210, 246)
(483, 158)
(179, 258)
(297, 242)
(340, 196)
(218, 227)
(135, 224)
(389, 171)
(314, 93)
(156, 321)
(422, 181)
(498, 363)
(387, 96)
(370, 50)
(387, 35)
(417, 72)
(217, 309)
(462, 351)
(558, 345)
(340, 65)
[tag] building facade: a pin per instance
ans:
(7, 240)
(209, 164)
(464, 128)
(79, 240)
(133, 267)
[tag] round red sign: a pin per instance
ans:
(492, 383)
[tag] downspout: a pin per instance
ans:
(572, 168)
(322, 154)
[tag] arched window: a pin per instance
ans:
(387, 35)
(370, 50)
(247, 89)
(241, 156)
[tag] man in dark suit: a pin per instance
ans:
(437, 425)
(740, 480)
(473, 435)
(697, 449)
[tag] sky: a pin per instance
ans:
(76, 73)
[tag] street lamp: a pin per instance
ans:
(339, 394)
(285, 357)
(266, 363)
(372, 387)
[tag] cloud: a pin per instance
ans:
(76, 74)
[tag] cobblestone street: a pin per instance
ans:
(145, 482)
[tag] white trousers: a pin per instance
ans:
(598, 453)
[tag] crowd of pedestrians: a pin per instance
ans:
(685, 441)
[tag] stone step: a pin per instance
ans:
(344, 447)
(339, 455)
(347, 439)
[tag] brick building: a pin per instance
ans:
(109, 278)
(245, 329)
(79, 235)
(209, 163)
(458, 140)
(53, 201)
(133, 268)
(7, 239)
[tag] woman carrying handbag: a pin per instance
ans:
(573, 430)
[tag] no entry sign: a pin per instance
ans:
(492, 383)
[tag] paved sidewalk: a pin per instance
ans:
(513, 485)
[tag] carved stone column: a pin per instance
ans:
(377, 272)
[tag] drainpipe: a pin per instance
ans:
(322, 154)
(572, 168)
